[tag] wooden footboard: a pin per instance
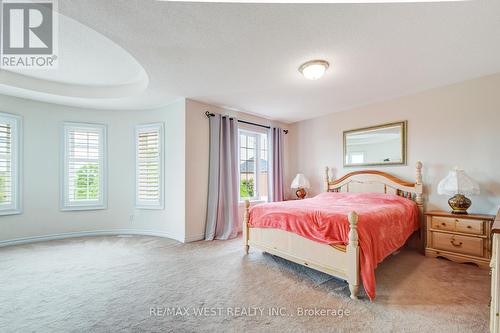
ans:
(335, 261)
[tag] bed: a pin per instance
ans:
(323, 232)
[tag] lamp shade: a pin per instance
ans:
(457, 182)
(300, 181)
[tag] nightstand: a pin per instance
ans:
(460, 238)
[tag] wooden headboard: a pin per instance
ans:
(373, 181)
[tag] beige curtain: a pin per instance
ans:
(277, 177)
(222, 206)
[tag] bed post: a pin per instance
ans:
(326, 179)
(420, 203)
(245, 227)
(353, 256)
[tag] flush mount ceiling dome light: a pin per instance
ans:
(314, 69)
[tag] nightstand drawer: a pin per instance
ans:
(443, 223)
(459, 244)
(467, 226)
(470, 226)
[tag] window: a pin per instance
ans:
(84, 165)
(253, 162)
(149, 166)
(10, 164)
(355, 158)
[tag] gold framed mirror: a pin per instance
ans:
(376, 145)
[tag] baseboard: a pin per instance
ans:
(194, 238)
(112, 232)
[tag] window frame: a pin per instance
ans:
(160, 126)
(256, 133)
(16, 122)
(102, 203)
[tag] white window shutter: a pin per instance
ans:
(10, 137)
(149, 166)
(6, 164)
(84, 166)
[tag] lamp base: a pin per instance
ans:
(301, 193)
(459, 203)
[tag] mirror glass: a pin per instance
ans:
(377, 145)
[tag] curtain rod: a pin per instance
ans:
(208, 114)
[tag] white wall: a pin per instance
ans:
(197, 161)
(454, 125)
(186, 172)
(41, 215)
(449, 126)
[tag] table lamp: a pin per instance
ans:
(300, 183)
(458, 184)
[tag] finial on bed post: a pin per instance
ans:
(246, 218)
(419, 200)
(353, 232)
(419, 185)
(419, 172)
(326, 179)
(353, 254)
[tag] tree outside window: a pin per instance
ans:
(87, 183)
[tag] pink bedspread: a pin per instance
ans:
(385, 223)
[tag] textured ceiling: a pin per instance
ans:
(245, 56)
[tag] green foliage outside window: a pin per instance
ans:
(3, 190)
(87, 183)
(246, 188)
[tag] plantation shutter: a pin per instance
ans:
(84, 166)
(84, 169)
(149, 166)
(10, 164)
(6, 168)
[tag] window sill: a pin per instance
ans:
(254, 201)
(81, 208)
(6, 212)
(149, 207)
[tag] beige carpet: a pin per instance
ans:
(110, 284)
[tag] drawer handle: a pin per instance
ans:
(443, 224)
(455, 244)
(469, 227)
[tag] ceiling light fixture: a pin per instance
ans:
(314, 69)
